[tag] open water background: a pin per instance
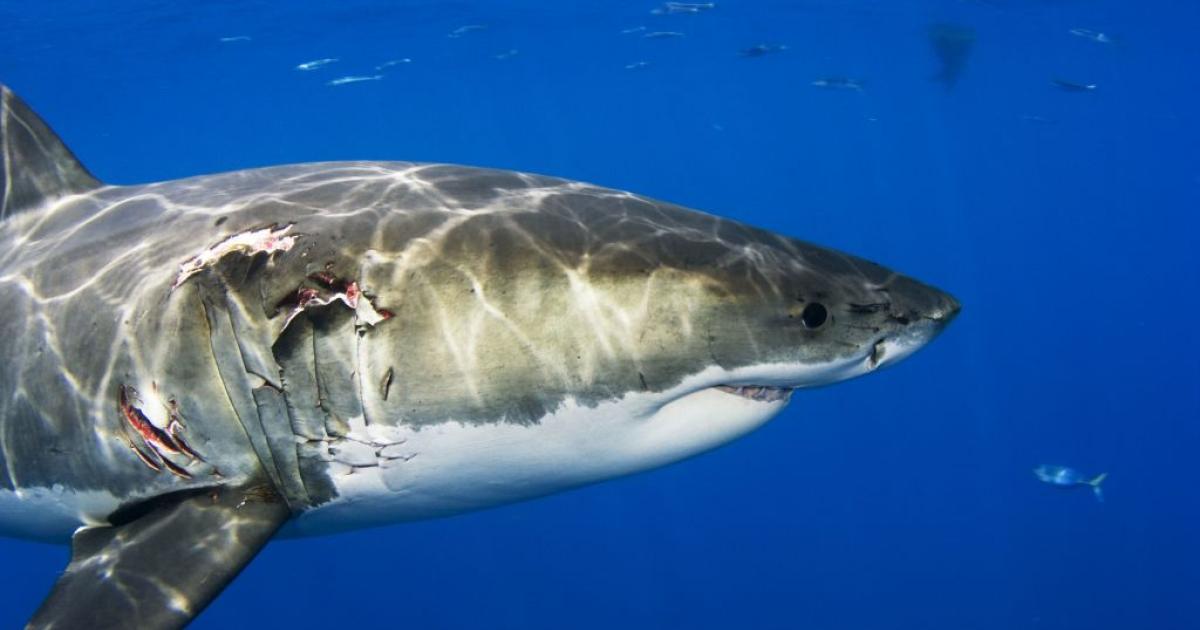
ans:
(1065, 222)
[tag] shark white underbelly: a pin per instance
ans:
(404, 474)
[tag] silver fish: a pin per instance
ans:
(316, 63)
(1065, 477)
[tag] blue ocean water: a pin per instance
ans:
(1065, 222)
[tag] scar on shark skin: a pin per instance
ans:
(266, 240)
(386, 384)
(159, 442)
(331, 288)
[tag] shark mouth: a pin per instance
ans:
(762, 393)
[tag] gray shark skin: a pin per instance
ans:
(193, 366)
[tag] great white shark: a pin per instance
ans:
(195, 366)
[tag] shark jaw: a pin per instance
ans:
(455, 467)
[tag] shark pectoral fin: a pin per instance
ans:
(162, 561)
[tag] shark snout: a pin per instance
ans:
(947, 309)
(914, 302)
(919, 313)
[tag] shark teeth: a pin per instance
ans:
(762, 393)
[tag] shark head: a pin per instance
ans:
(559, 334)
(801, 316)
(723, 324)
(807, 316)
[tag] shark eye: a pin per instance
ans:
(813, 316)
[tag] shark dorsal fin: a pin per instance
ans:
(37, 166)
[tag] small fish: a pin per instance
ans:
(316, 63)
(1069, 478)
(839, 83)
(662, 35)
(235, 38)
(463, 30)
(1071, 86)
(354, 79)
(508, 54)
(633, 29)
(1095, 36)
(393, 62)
(669, 8)
(759, 50)
(1034, 118)
(637, 65)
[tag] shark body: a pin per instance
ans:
(196, 366)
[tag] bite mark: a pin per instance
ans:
(331, 288)
(160, 443)
(266, 240)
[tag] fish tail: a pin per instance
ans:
(1095, 484)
